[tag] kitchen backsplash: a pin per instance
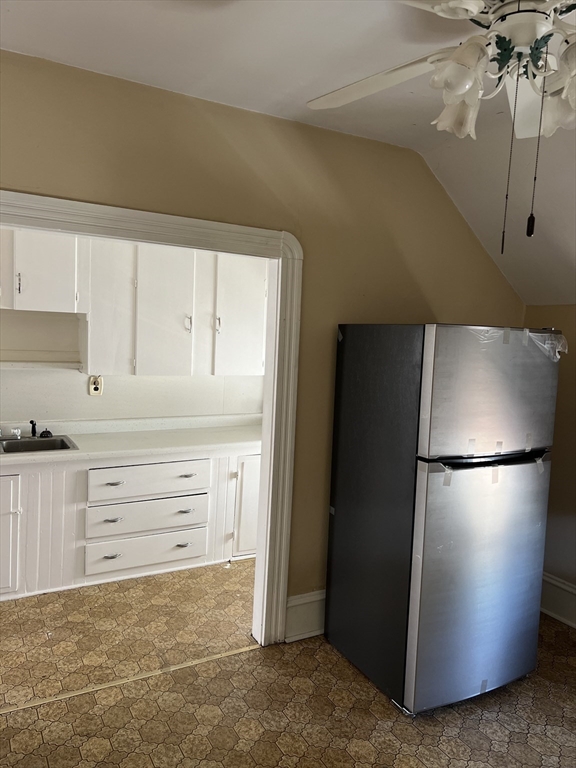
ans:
(61, 395)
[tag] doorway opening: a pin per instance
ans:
(225, 476)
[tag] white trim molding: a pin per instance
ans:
(305, 616)
(559, 599)
(279, 418)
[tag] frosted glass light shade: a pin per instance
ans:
(568, 60)
(459, 119)
(461, 76)
(459, 9)
(454, 78)
(558, 113)
(568, 68)
(473, 54)
(569, 93)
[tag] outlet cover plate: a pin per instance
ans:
(95, 386)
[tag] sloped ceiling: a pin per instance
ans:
(274, 56)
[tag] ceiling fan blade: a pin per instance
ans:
(379, 82)
(462, 9)
(424, 5)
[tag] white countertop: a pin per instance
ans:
(213, 441)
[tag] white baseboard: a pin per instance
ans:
(305, 616)
(559, 599)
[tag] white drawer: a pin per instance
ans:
(148, 480)
(117, 554)
(139, 516)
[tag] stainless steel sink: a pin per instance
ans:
(33, 444)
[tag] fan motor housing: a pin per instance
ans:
(522, 26)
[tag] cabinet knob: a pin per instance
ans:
(184, 544)
(192, 474)
(117, 482)
(113, 519)
(113, 557)
(185, 511)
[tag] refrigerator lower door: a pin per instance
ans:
(476, 580)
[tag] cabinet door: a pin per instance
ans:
(112, 319)
(9, 532)
(6, 268)
(164, 308)
(240, 315)
(246, 511)
(45, 271)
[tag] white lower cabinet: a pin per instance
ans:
(9, 532)
(134, 552)
(160, 479)
(70, 523)
(137, 516)
(135, 520)
(246, 506)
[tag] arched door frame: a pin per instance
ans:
(279, 417)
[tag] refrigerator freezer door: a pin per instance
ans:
(485, 391)
(476, 580)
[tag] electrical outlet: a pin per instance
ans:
(95, 386)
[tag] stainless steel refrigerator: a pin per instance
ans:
(439, 492)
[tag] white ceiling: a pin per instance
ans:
(273, 56)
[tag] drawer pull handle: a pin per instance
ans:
(113, 557)
(193, 474)
(184, 544)
(113, 519)
(185, 511)
(117, 482)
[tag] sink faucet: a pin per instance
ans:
(16, 432)
(33, 428)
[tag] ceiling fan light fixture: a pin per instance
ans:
(569, 93)
(558, 113)
(461, 75)
(454, 78)
(459, 119)
(568, 57)
(568, 70)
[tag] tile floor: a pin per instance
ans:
(300, 706)
(67, 641)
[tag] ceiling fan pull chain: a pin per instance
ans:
(511, 152)
(531, 224)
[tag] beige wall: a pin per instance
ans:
(382, 240)
(561, 530)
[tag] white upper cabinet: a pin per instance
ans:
(6, 268)
(146, 309)
(46, 267)
(240, 317)
(164, 310)
(111, 322)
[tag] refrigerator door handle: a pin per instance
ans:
(453, 464)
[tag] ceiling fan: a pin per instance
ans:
(524, 46)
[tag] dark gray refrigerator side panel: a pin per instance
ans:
(372, 497)
(476, 579)
(486, 391)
